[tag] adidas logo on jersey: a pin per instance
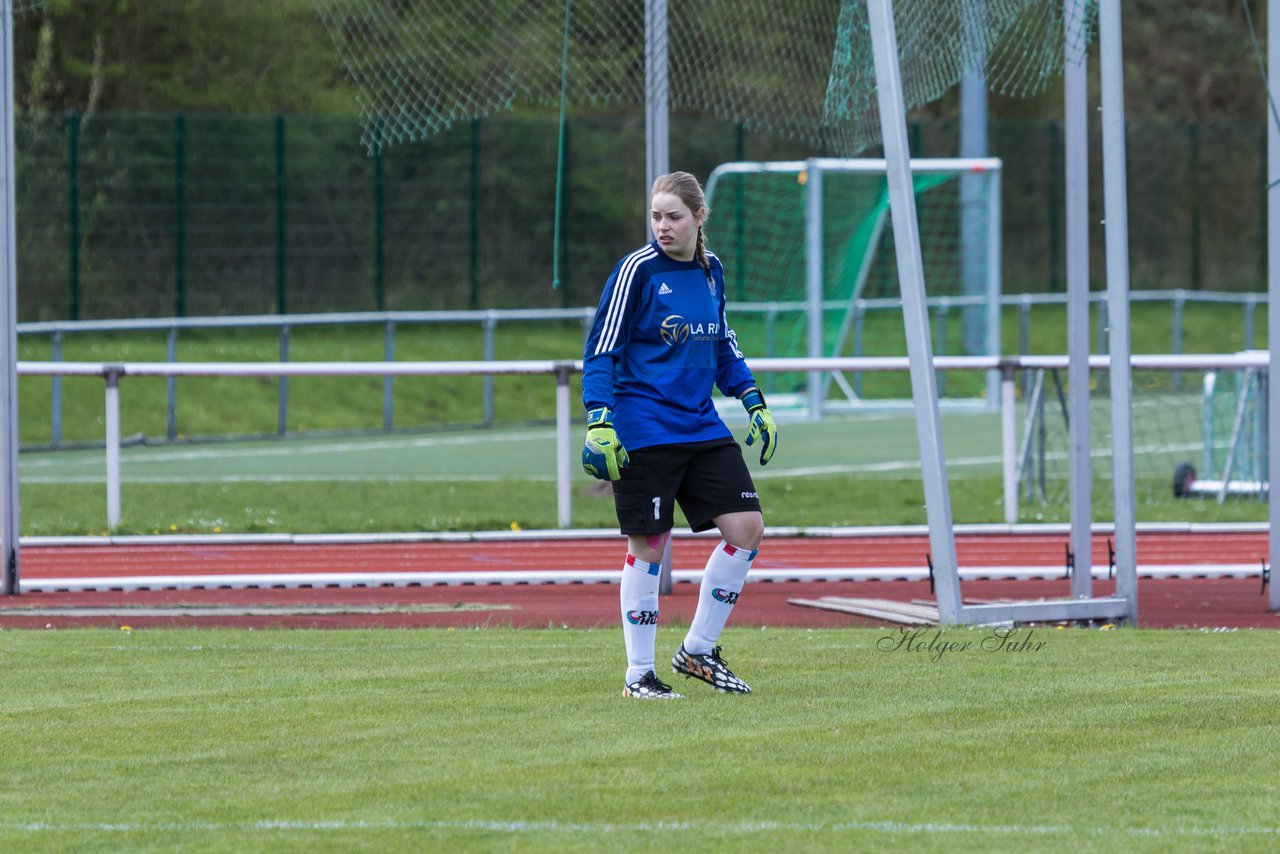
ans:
(664, 289)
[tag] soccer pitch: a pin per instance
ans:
(883, 444)
(1044, 740)
(845, 470)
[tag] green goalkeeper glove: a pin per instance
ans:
(763, 429)
(603, 456)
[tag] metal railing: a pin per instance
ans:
(489, 322)
(562, 371)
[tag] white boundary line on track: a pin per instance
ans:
(254, 581)
(572, 827)
(1022, 529)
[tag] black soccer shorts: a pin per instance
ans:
(708, 479)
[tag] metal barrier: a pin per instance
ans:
(490, 320)
(562, 371)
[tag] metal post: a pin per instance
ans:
(55, 405)
(995, 282)
(171, 387)
(940, 320)
(1117, 242)
(282, 385)
(813, 278)
(1076, 149)
(489, 323)
(388, 386)
(665, 578)
(564, 486)
(915, 314)
(656, 99)
(1179, 304)
(9, 530)
(1008, 438)
(112, 417)
(973, 143)
(1273, 286)
(1250, 312)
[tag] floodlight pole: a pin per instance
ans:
(657, 100)
(1116, 206)
(1273, 290)
(915, 313)
(977, 264)
(9, 575)
(1076, 150)
(657, 152)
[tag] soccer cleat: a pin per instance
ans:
(709, 668)
(650, 687)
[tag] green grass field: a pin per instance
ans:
(498, 739)
(447, 740)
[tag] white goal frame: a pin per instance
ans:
(986, 171)
(889, 92)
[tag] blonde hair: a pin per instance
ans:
(686, 188)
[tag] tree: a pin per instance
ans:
(239, 56)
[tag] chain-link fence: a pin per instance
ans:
(130, 215)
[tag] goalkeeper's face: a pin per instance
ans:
(674, 226)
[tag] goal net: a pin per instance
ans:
(1197, 434)
(767, 226)
(804, 70)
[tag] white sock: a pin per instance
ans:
(639, 597)
(722, 581)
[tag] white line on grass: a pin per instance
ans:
(775, 473)
(224, 452)
(188, 479)
(522, 827)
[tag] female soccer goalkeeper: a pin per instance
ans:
(658, 343)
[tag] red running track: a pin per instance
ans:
(605, 553)
(1163, 602)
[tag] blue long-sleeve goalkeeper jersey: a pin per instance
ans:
(658, 343)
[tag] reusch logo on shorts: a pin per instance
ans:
(728, 597)
(675, 330)
(642, 618)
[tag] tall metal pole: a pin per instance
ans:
(915, 314)
(657, 153)
(9, 574)
(1115, 203)
(1273, 288)
(656, 98)
(1076, 149)
(973, 205)
(813, 281)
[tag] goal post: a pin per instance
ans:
(951, 607)
(813, 241)
(9, 572)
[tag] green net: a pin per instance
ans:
(1196, 433)
(760, 226)
(802, 69)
